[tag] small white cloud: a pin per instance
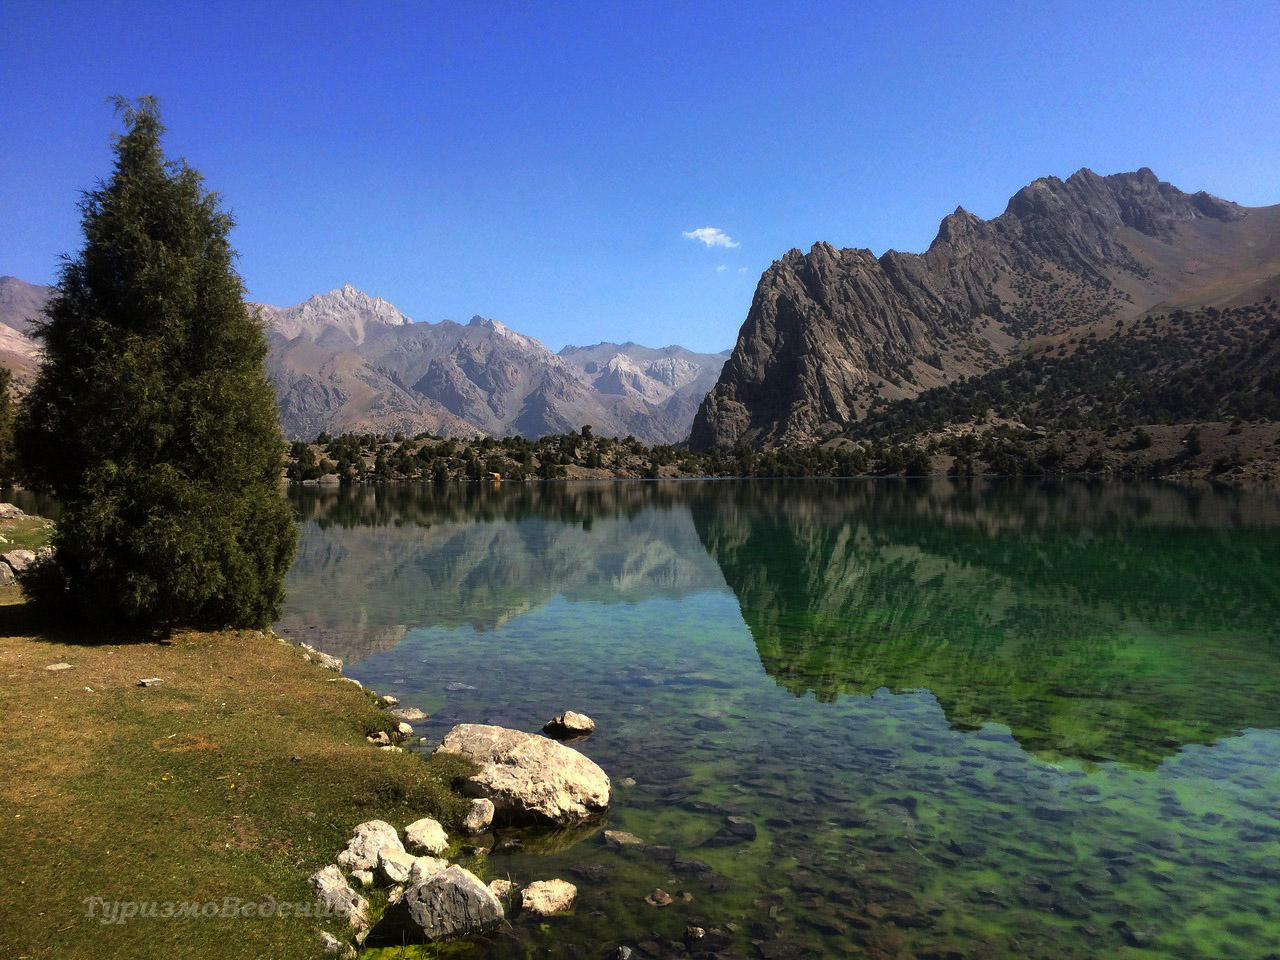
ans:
(710, 237)
(742, 269)
(721, 269)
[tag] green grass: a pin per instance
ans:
(25, 533)
(238, 777)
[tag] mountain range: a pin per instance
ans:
(345, 361)
(834, 335)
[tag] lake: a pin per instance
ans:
(849, 717)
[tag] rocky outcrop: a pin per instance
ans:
(530, 779)
(832, 332)
(453, 903)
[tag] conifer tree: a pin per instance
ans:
(152, 421)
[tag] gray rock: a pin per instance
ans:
(545, 898)
(19, 560)
(620, 838)
(150, 681)
(569, 725)
(426, 834)
(326, 661)
(529, 778)
(56, 667)
(369, 839)
(453, 903)
(410, 714)
(502, 889)
(9, 512)
(386, 700)
(398, 866)
(479, 817)
(331, 889)
(7, 579)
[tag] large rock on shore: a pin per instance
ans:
(453, 903)
(370, 838)
(331, 889)
(529, 778)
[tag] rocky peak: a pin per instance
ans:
(345, 313)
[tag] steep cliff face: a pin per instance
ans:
(833, 332)
(20, 304)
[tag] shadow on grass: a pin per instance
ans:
(19, 618)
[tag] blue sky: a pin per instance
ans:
(545, 163)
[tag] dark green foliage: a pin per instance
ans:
(7, 463)
(152, 420)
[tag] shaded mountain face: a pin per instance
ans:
(344, 361)
(832, 333)
(20, 304)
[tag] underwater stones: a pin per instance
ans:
(529, 778)
(545, 898)
(591, 872)
(426, 834)
(658, 898)
(366, 843)
(331, 889)
(1133, 936)
(617, 839)
(410, 714)
(569, 725)
(458, 687)
(479, 816)
(453, 903)
(735, 830)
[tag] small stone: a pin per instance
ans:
(545, 898)
(693, 934)
(620, 838)
(456, 687)
(403, 730)
(379, 739)
(659, 898)
(502, 889)
(363, 877)
(622, 953)
(479, 816)
(392, 748)
(386, 700)
(55, 667)
(410, 714)
(426, 834)
(627, 782)
(150, 682)
(569, 725)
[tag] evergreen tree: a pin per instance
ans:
(7, 465)
(152, 421)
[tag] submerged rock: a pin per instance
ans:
(453, 903)
(369, 839)
(569, 725)
(426, 834)
(529, 778)
(409, 714)
(545, 898)
(331, 889)
(620, 838)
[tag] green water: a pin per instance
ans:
(966, 721)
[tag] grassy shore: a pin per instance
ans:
(240, 775)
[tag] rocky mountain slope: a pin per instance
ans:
(833, 334)
(344, 361)
(20, 303)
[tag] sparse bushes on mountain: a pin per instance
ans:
(152, 421)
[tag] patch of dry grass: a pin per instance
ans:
(239, 776)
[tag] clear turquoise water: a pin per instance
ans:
(973, 721)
